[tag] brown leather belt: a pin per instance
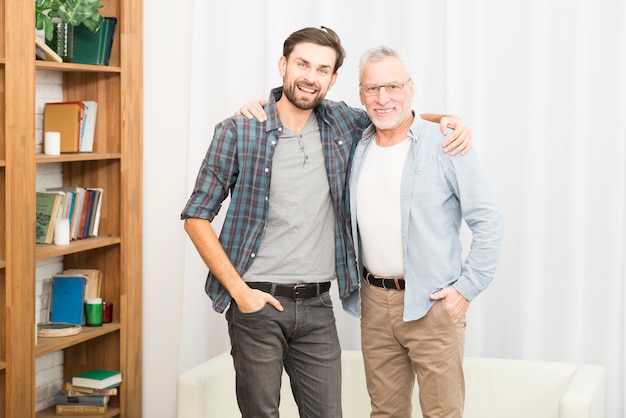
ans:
(293, 291)
(389, 283)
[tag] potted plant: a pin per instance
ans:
(57, 18)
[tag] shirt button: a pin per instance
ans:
(273, 142)
(267, 170)
(340, 142)
(253, 255)
(280, 129)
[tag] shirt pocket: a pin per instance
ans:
(426, 183)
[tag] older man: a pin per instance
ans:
(408, 199)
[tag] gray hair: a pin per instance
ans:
(379, 53)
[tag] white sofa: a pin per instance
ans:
(495, 388)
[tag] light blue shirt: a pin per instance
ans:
(438, 192)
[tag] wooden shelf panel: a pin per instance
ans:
(43, 251)
(68, 158)
(67, 67)
(47, 345)
(112, 411)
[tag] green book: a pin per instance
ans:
(98, 379)
(91, 47)
(46, 210)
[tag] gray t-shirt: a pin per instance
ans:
(298, 244)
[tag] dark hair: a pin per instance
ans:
(323, 36)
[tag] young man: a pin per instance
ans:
(286, 235)
(408, 199)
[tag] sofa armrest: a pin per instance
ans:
(208, 390)
(584, 396)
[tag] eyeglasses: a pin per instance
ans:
(390, 88)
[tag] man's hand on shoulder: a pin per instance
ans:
(253, 109)
(461, 139)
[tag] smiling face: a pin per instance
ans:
(388, 108)
(308, 74)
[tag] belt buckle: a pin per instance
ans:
(295, 291)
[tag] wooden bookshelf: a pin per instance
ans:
(116, 166)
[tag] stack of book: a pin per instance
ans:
(89, 393)
(75, 121)
(82, 206)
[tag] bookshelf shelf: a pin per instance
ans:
(67, 158)
(47, 345)
(115, 166)
(67, 67)
(44, 251)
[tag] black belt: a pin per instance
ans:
(389, 283)
(293, 291)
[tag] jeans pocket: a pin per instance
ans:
(326, 300)
(260, 312)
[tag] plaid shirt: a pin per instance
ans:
(239, 162)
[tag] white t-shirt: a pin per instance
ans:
(378, 209)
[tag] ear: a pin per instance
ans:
(282, 66)
(333, 78)
(411, 90)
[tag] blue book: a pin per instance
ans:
(68, 299)
(62, 399)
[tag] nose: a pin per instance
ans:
(383, 95)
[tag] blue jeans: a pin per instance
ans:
(302, 339)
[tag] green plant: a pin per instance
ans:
(73, 12)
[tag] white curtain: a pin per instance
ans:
(542, 85)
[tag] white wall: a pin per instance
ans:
(167, 45)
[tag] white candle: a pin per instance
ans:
(62, 231)
(52, 143)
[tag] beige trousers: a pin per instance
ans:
(395, 352)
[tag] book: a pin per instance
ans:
(46, 211)
(71, 390)
(98, 379)
(66, 118)
(113, 21)
(93, 47)
(88, 129)
(86, 212)
(94, 220)
(68, 299)
(93, 283)
(78, 198)
(68, 204)
(80, 409)
(60, 398)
